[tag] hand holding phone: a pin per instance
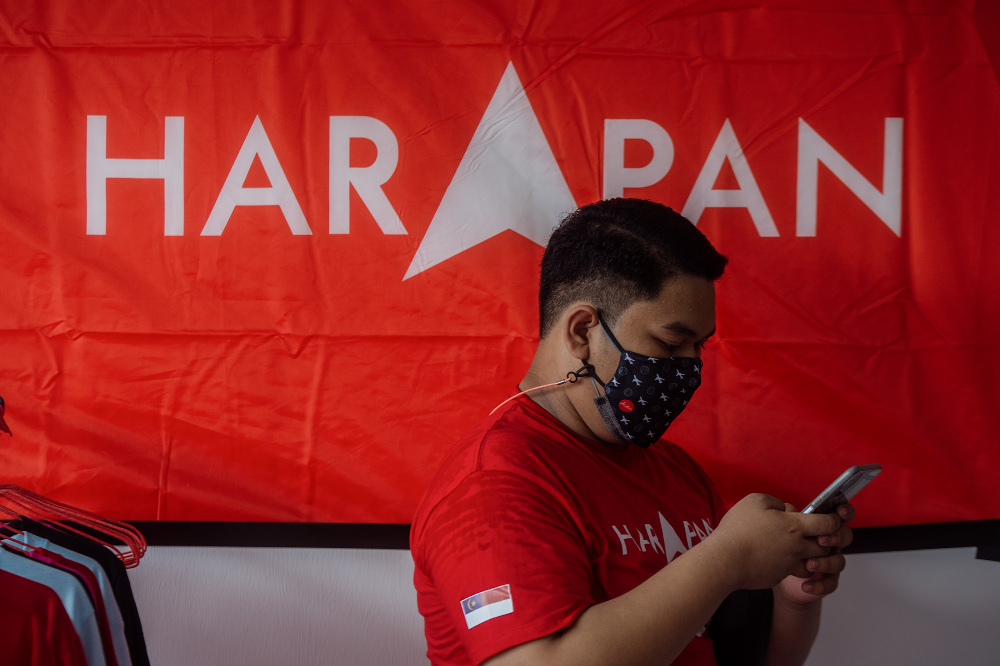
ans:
(843, 489)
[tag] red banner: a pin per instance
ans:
(267, 261)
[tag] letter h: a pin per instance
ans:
(622, 537)
(100, 168)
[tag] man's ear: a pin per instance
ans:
(578, 322)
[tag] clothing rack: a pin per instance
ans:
(65, 596)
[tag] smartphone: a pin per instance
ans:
(843, 489)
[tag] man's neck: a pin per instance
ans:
(557, 400)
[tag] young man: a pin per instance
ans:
(562, 530)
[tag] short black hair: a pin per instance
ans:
(617, 252)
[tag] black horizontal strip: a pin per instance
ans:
(981, 534)
(275, 535)
(984, 535)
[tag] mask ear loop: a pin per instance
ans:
(571, 378)
(609, 335)
(594, 379)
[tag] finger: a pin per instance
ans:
(789, 508)
(798, 564)
(833, 563)
(801, 571)
(813, 550)
(815, 576)
(842, 538)
(846, 512)
(816, 524)
(821, 587)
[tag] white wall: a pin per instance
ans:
(263, 606)
(346, 607)
(918, 608)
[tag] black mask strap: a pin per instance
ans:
(611, 336)
(587, 370)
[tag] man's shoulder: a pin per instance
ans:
(508, 441)
(511, 443)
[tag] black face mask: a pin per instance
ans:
(645, 394)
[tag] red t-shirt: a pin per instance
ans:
(526, 525)
(93, 589)
(34, 626)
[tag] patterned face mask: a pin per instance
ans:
(645, 394)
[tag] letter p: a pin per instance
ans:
(616, 175)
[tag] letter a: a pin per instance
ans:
(233, 193)
(748, 196)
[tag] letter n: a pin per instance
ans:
(887, 204)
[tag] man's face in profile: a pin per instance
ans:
(677, 322)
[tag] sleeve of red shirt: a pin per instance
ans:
(497, 528)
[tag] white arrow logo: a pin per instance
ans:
(672, 545)
(508, 179)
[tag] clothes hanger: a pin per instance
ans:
(8, 533)
(78, 521)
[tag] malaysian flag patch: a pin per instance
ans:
(487, 605)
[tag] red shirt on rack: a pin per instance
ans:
(37, 630)
(93, 589)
